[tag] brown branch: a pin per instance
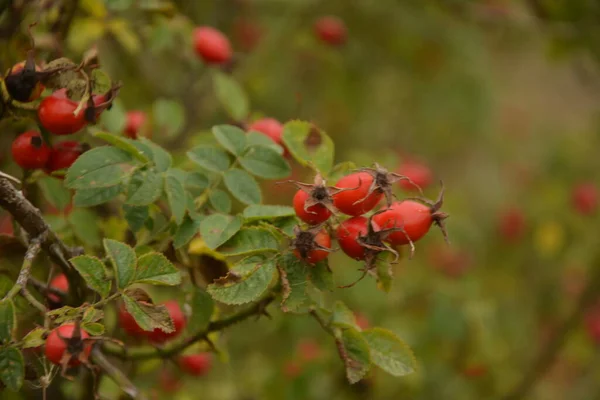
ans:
(548, 354)
(219, 325)
(116, 375)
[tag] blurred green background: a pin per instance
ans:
(498, 97)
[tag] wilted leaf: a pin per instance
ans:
(149, 316)
(296, 134)
(253, 277)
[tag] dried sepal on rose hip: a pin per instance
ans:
(311, 245)
(383, 181)
(68, 346)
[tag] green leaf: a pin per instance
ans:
(185, 232)
(202, 310)
(55, 192)
(8, 320)
(384, 272)
(115, 120)
(254, 138)
(12, 368)
(217, 229)
(35, 338)
(246, 281)
(123, 260)
(94, 197)
(342, 316)
(321, 276)
(149, 316)
(293, 278)
(93, 328)
(210, 158)
(267, 212)
(176, 195)
(231, 138)
(231, 96)
(145, 187)
(99, 167)
(295, 135)
(286, 225)
(169, 117)
(136, 216)
(156, 269)
(85, 226)
(93, 272)
(64, 314)
(250, 241)
(354, 352)
(265, 162)
(92, 314)
(242, 186)
(160, 157)
(389, 352)
(124, 144)
(196, 183)
(220, 201)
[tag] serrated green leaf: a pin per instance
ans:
(34, 338)
(185, 232)
(156, 269)
(12, 368)
(389, 352)
(149, 316)
(99, 167)
(232, 138)
(145, 187)
(342, 316)
(196, 183)
(246, 281)
(55, 192)
(216, 229)
(169, 117)
(265, 162)
(160, 157)
(8, 320)
(295, 135)
(321, 276)
(94, 197)
(267, 212)
(93, 328)
(254, 138)
(176, 195)
(93, 272)
(242, 186)
(250, 241)
(231, 96)
(64, 314)
(85, 226)
(294, 282)
(123, 260)
(220, 201)
(92, 314)
(136, 216)
(354, 352)
(124, 144)
(202, 310)
(210, 158)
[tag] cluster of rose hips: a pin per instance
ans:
(361, 236)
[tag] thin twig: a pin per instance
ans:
(116, 375)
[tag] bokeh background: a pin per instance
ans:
(499, 98)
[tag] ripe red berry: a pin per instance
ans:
(63, 155)
(585, 198)
(413, 217)
(61, 283)
(511, 225)
(64, 340)
(592, 323)
(314, 214)
(29, 150)
(349, 234)
(196, 364)
(362, 321)
(23, 83)
(128, 324)
(418, 173)
(56, 114)
(360, 197)
(179, 322)
(331, 30)
(269, 127)
(211, 45)
(312, 245)
(135, 120)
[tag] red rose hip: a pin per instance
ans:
(59, 282)
(359, 198)
(331, 30)
(418, 173)
(211, 45)
(585, 198)
(135, 120)
(64, 340)
(196, 364)
(29, 150)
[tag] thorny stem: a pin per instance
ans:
(215, 326)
